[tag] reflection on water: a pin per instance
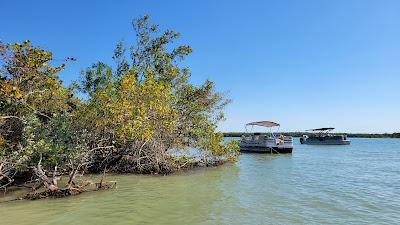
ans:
(356, 184)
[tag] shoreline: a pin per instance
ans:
(19, 192)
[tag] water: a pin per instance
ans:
(356, 184)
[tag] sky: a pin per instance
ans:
(304, 64)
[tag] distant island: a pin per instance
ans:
(299, 134)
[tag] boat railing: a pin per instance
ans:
(266, 137)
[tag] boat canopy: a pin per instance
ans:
(322, 129)
(263, 124)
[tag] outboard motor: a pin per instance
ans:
(303, 139)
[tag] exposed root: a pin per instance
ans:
(59, 193)
(106, 185)
(71, 189)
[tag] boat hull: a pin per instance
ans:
(344, 142)
(271, 150)
(266, 144)
(325, 140)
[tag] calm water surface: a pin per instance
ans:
(356, 184)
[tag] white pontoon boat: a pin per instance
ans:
(268, 143)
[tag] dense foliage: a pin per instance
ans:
(133, 115)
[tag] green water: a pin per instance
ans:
(356, 184)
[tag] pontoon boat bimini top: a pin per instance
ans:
(322, 129)
(263, 124)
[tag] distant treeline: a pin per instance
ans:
(299, 134)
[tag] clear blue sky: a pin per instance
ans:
(304, 64)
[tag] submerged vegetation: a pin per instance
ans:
(130, 117)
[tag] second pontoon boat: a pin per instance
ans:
(323, 137)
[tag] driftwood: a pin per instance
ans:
(49, 183)
(72, 188)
